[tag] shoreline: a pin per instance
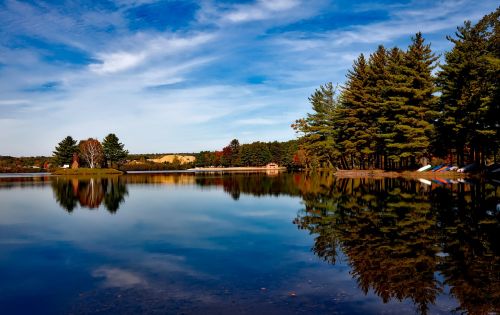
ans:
(86, 171)
(236, 169)
(404, 174)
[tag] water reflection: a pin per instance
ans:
(90, 192)
(399, 235)
(256, 184)
(403, 240)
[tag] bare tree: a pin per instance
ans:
(91, 152)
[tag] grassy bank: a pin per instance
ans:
(87, 171)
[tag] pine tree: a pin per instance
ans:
(356, 123)
(421, 109)
(469, 83)
(64, 151)
(319, 128)
(377, 86)
(410, 105)
(113, 150)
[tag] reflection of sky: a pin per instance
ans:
(177, 247)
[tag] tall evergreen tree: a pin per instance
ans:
(377, 83)
(318, 129)
(113, 150)
(64, 151)
(393, 113)
(469, 83)
(235, 152)
(410, 104)
(358, 132)
(421, 109)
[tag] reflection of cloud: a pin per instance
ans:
(115, 277)
(170, 264)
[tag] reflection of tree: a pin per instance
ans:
(90, 192)
(397, 234)
(115, 192)
(64, 194)
(257, 184)
(470, 228)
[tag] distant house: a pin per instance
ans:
(65, 166)
(272, 166)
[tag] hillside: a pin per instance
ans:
(169, 158)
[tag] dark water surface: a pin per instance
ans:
(248, 244)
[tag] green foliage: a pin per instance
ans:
(469, 83)
(358, 129)
(113, 150)
(251, 154)
(318, 129)
(389, 116)
(64, 151)
(411, 102)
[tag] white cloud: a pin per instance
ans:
(14, 102)
(118, 61)
(274, 12)
(255, 121)
(150, 48)
(261, 10)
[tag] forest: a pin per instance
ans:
(399, 108)
(252, 154)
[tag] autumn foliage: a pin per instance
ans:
(91, 152)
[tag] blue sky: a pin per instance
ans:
(184, 76)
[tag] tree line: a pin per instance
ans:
(252, 154)
(90, 152)
(395, 112)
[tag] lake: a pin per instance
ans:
(287, 243)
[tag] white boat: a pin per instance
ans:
(424, 168)
(425, 181)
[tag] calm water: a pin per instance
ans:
(248, 243)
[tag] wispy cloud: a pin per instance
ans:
(255, 121)
(13, 102)
(149, 49)
(259, 11)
